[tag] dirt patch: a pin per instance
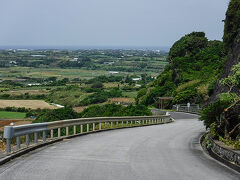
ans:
(121, 100)
(80, 109)
(32, 104)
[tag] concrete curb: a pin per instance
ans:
(21, 152)
(217, 157)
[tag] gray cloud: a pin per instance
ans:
(107, 22)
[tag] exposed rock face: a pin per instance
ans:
(232, 59)
(231, 40)
(231, 119)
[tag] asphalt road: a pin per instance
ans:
(169, 151)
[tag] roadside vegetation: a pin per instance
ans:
(107, 110)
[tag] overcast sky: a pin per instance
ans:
(107, 22)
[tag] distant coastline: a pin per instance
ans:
(161, 48)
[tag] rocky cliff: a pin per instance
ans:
(231, 41)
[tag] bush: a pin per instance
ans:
(186, 96)
(141, 92)
(212, 113)
(101, 96)
(109, 110)
(97, 85)
(49, 115)
(211, 87)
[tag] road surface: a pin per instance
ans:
(162, 152)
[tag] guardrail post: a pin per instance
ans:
(74, 130)
(111, 124)
(59, 132)
(35, 137)
(126, 122)
(44, 136)
(27, 140)
(67, 131)
(93, 126)
(87, 127)
(81, 128)
(100, 126)
(18, 142)
(52, 133)
(8, 145)
(122, 123)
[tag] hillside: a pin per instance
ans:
(195, 63)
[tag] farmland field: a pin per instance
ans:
(16, 72)
(78, 78)
(12, 115)
(32, 104)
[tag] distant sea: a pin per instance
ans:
(161, 48)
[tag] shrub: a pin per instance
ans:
(48, 115)
(211, 87)
(109, 110)
(97, 85)
(212, 113)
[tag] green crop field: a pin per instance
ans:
(11, 115)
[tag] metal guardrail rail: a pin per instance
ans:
(194, 108)
(46, 130)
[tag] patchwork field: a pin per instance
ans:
(32, 104)
(16, 72)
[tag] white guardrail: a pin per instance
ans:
(194, 108)
(53, 130)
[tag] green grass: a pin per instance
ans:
(131, 94)
(12, 115)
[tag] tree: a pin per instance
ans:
(97, 85)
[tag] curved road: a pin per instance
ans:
(169, 151)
